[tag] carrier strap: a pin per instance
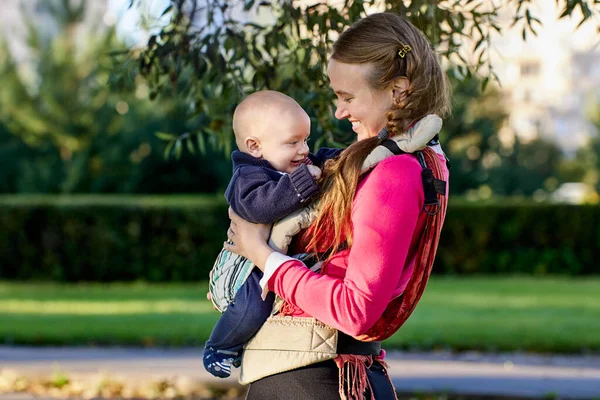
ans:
(431, 185)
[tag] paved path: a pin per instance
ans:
(576, 377)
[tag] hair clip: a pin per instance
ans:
(404, 49)
(383, 134)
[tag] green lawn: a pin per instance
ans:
(491, 313)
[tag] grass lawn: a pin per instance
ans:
(484, 313)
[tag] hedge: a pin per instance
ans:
(520, 238)
(102, 238)
(96, 238)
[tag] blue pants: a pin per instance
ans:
(243, 318)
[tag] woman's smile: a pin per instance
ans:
(355, 125)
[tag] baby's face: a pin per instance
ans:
(284, 143)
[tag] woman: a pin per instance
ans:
(377, 236)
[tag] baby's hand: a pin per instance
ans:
(314, 171)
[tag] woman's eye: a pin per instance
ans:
(347, 99)
(293, 143)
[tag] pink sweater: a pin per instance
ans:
(388, 220)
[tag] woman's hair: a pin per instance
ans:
(376, 40)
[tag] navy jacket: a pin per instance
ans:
(261, 194)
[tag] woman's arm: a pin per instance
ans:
(385, 216)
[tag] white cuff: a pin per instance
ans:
(273, 263)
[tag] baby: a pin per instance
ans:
(273, 175)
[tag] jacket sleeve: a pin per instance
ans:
(322, 155)
(264, 198)
(385, 217)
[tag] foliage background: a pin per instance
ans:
(93, 116)
(85, 118)
(73, 126)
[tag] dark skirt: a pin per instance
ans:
(316, 382)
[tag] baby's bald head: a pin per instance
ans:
(257, 115)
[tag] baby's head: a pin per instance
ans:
(271, 126)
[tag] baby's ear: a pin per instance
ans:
(253, 146)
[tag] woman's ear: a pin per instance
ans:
(399, 88)
(253, 146)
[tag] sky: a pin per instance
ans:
(128, 20)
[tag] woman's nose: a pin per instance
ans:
(341, 112)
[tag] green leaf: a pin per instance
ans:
(484, 84)
(166, 10)
(201, 142)
(178, 148)
(479, 43)
(113, 53)
(168, 150)
(165, 136)
(190, 145)
(254, 25)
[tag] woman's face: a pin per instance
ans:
(366, 108)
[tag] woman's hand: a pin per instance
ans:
(249, 240)
(314, 171)
(209, 298)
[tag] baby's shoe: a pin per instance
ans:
(219, 362)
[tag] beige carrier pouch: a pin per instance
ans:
(286, 343)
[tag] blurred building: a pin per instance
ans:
(18, 16)
(551, 80)
(13, 21)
